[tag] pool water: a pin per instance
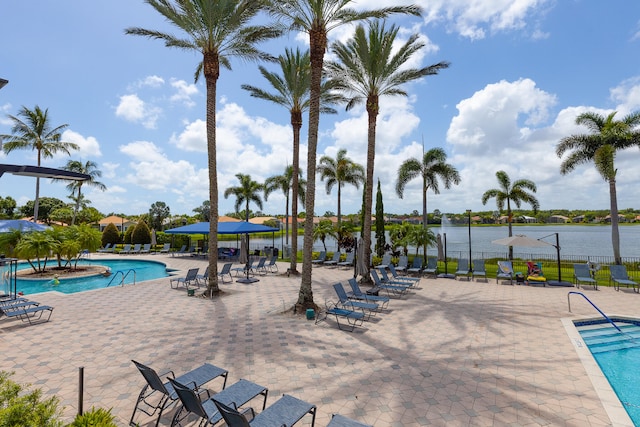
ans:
(617, 355)
(144, 270)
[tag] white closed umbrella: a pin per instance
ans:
(243, 258)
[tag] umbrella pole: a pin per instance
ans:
(558, 252)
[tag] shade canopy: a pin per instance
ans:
(522, 241)
(42, 172)
(20, 224)
(241, 227)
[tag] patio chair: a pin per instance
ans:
(403, 264)
(431, 267)
(619, 276)
(126, 249)
(136, 249)
(463, 268)
(354, 317)
(107, 248)
(27, 311)
(582, 275)
(401, 281)
(505, 271)
(534, 274)
(391, 289)
(335, 260)
(322, 257)
(416, 266)
(201, 403)
(396, 276)
(348, 262)
(191, 277)
(479, 269)
(272, 267)
(338, 420)
(386, 260)
(156, 395)
(204, 277)
(287, 411)
(356, 293)
(181, 251)
(165, 248)
(261, 268)
(249, 267)
(226, 271)
(370, 307)
(146, 248)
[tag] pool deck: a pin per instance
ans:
(452, 353)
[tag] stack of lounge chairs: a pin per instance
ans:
(26, 310)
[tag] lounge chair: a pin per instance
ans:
(107, 248)
(403, 264)
(354, 317)
(386, 260)
(272, 267)
(201, 404)
(261, 268)
(191, 277)
(226, 271)
(348, 262)
(204, 277)
(479, 269)
(180, 251)
(505, 271)
(582, 275)
(534, 274)
(370, 307)
(338, 420)
(619, 276)
(126, 249)
(335, 260)
(249, 267)
(431, 267)
(391, 289)
(146, 248)
(416, 266)
(396, 276)
(157, 395)
(136, 249)
(287, 411)
(356, 293)
(402, 281)
(463, 268)
(322, 257)
(165, 248)
(27, 311)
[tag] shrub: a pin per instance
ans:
(127, 234)
(110, 235)
(96, 417)
(141, 233)
(24, 408)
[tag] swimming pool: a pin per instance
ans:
(617, 355)
(144, 269)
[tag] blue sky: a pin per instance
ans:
(521, 71)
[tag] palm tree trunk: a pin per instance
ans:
(615, 232)
(36, 203)
(425, 220)
(296, 124)
(211, 73)
(339, 212)
(509, 219)
(318, 44)
(372, 112)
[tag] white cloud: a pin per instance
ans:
(184, 92)
(152, 81)
(89, 146)
(193, 137)
(627, 96)
(109, 169)
(135, 110)
(4, 110)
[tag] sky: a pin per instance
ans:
(521, 72)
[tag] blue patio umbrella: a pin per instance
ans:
(20, 224)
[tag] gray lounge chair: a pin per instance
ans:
(272, 267)
(335, 260)
(322, 257)
(157, 395)
(370, 307)
(431, 267)
(287, 411)
(226, 271)
(136, 249)
(27, 311)
(397, 277)
(463, 268)
(402, 281)
(619, 276)
(204, 277)
(505, 271)
(338, 420)
(165, 248)
(391, 289)
(107, 248)
(180, 251)
(356, 293)
(126, 249)
(403, 264)
(386, 260)
(479, 269)
(191, 277)
(582, 275)
(348, 262)
(416, 266)
(354, 317)
(146, 248)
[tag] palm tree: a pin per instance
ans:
(32, 130)
(317, 18)
(433, 166)
(248, 191)
(322, 230)
(370, 67)
(606, 137)
(340, 171)
(516, 193)
(88, 168)
(292, 92)
(285, 182)
(218, 30)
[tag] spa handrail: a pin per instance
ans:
(594, 306)
(124, 276)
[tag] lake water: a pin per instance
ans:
(575, 240)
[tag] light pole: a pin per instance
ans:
(469, 226)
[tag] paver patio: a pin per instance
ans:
(452, 353)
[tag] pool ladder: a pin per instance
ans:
(124, 275)
(594, 306)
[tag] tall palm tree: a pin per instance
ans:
(32, 130)
(219, 30)
(340, 171)
(433, 167)
(515, 193)
(88, 168)
(248, 191)
(292, 91)
(370, 67)
(317, 18)
(606, 137)
(285, 182)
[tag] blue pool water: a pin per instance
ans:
(618, 355)
(145, 270)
